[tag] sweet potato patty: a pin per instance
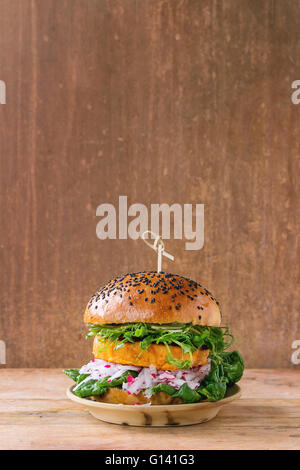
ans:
(131, 353)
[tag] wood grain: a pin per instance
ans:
(163, 101)
(37, 415)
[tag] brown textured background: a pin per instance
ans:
(163, 101)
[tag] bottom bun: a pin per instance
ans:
(118, 396)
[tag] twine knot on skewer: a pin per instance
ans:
(158, 246)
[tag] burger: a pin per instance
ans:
(158, 340)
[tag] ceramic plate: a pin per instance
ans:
(156, 415)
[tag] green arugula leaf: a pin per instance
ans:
(213, 386)
(233, 366)
(72, 373)
(185, 393)
(99, 387)
(75, 375)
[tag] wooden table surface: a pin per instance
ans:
(35, 414)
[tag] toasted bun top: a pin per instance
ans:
(153, 297)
